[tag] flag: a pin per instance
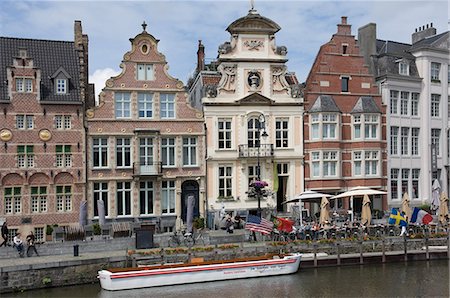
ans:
(421, 216)
(397, 219)
(258, 224)
(283, 224)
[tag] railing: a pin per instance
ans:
(147, 169)
(265, 150)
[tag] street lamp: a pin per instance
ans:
(261, 126)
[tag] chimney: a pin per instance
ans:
(78, 33)
(423, 32)
(200, 57)
(344, 28)
(367, 41)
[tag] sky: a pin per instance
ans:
(305, 26)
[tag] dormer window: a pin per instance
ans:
(61, 81)
(61, 86)
(145, 72)
(403, 68)
(24, 85)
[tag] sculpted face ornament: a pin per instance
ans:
(254, 80)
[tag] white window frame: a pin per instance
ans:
(167, 105)
(403, 68)
(124, 194)
(415, 179)
(394, 180)
(102, 151)
(190, 158)
(64, 156)
(145, 105)
(404, 140)
(404, 98)
(371, 165)
(24, 122)
(122, 105)
(315, 126)
(324, 126)
(252, 173)
(64, 198)
(145, 72)
(394, 140)
(415, 135)
(146, 151)
(13, 200)
(24, 85)
(435, 71)
(405, 180)
(25, 159)
(435, 105)
(357, 127)
(357, 163)
(315, 164)
(282, 133)
(61, 86)
(225, 174)
(415, 103)
(39, 200)
(146, 198)
(168, 197)
(393, 104)
(435, 137)
(100, 191)
(224, 133)
(330, 163)
(168, 156)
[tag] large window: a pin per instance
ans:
(404, 140)
(415, 140)
(435, 136)
(403, 68)
(367, 123)
(357, 163)
(324, 126)
(123, 152)
(63, 122)
(145, 72)
(168, 152)
(122, 105)
(168, 197)
(252, 174)
(435, 69)
(281, 133)
(146, 151)
(327, 161)
(435, 102)
(315, 161)
(394, 184)
(394, 102)
(405, 181)
(100, 152)
(63, 198)
(225, 179)
(167, 102)
(253, 137)
(100, 192)
(25, 156)
(371, 163)
(404, 97)
(24, 122)
(414, 104)
(190, 151)
(24, 85)
(224, 133)
(315, 126)
(38, 199)
(357, 127)
(123, 198)
(146, 197)
(394, 140)
(145, 105)
(63, 156)
(13, 200)
(415, 175)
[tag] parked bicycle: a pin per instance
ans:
(187, 239)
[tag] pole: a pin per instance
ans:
(258, 168)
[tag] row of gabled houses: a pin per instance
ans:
(371, 113)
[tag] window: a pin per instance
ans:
(24, 85)
(394, 184)
(415, 175)
(435, 69)
(61, 86)
(315, 159)
(38, 199)
(394, 102)
(435, 136)
(283, 169)
(404, 96)
(415, 141)
(123, 152)
(100, 192)
(190, 151)
(145, 102)
(404, 140)
(168, 197)
(344, 49)
(414, 104)
(252, 174)
(435, 102)
(63, 156)
(357, 163)
(403, 68)
(146, 151)
(25, 156)
(100, 152)
(405, 181)
(122, 104)
(329, 124)
(146, 197)
(329, 163)
(123, 198)
(281, 133)
(168, 152)
(167, 102)
(225, 186)
(344, 84)
(39, 234)
(394, 140)
(253, 137)
(371, 163)
(357, 127)
(224, 133)
(63, 122)
(24, 122)
(145, 72)
(315, 125)
(63, 198)
(13, 201)
(370, 126)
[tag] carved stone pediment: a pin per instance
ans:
(255, 99)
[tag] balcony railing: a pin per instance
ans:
(266, 150)
(147, 169)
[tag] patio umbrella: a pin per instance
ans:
(101, 212)
(307, 196)
(406, 205)
(435, 194)
(190, 212)
(443, 209)
(83, 213)
(366, 214)
(324, 213)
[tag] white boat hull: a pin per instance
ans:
(198, 273)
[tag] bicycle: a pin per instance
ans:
(178, 238)
(197, 237)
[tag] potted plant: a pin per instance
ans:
(97, 230)
(199, 223)
(49, 233)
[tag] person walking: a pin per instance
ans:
(18, 244)
(31, 239)
(5, 234)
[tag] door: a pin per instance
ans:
(189, 188)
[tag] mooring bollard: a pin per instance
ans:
(427, 251)
(383, 250)
(76, 250)
(315, 254)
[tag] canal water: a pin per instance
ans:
(413, 279)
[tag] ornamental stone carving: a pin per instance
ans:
(45, 135)
(279, 83)
(254, 44)
(225, 48)
(5, 135)
(228, 81)
(211, 91)
(282, 50)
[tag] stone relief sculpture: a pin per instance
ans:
(211, 91)
(279, 83)
(254, 45)
(254, 80)
(297, 90)
(225, 48)
(282, 50)
(228, 81)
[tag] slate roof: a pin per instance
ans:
(389, 52)
(324, 103)
(48, 56)
(365, 104)
(437, 41)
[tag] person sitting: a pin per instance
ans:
(229, 224)
(18, 244)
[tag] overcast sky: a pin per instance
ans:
(305, 26)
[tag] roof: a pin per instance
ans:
(48, 56)
(253, 22)
(365, 104)
(324, 103)
(439, 41)
(389, 54)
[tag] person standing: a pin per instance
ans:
(31, 239)
(18, 244)
(4, 235)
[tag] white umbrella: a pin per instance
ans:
(324, 213)
(308, 195)
(435, 195)
(366, 213)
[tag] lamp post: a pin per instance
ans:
(261, 126)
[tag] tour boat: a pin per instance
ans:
(198, 271)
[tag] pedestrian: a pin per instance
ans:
(229, 224)
(18, 244)
(404, 227)
(5, 234)
(31, 241)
